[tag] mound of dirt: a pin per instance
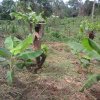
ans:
(95, 90)
(78, 96)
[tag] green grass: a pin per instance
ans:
(56, 29)
(57, 69)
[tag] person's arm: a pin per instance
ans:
(37, 35)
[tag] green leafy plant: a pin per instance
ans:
(89, 26)
(31, 18)
(92, 48)
(44, 48)
(56, 35)
(16, 54)
(91, 80)
(91, 45)
(79, 51)
(86, 51)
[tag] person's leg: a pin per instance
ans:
(40, 60)
(43, 57)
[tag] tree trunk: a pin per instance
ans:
(93, 8)
(30, 27)
(81, 8)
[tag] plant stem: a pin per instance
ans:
(11, 63)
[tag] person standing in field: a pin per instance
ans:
(91, 34)
(39, 32)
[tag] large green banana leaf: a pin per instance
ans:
(30, 55)
(23, 45)
(5, 53)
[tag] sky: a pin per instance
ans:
(68, 0)
(63, 0)
(82, 0)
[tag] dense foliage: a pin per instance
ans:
(72, 8)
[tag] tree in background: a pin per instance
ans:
(89, 7)
(7, 6)
(93, 8)
(72, 8)
(97, 8)
(74, 5)
(81, 8)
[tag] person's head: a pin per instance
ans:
(91, 35)
(37, 27)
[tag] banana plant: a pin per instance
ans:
(78, 50)
(86, 51)
(16, 53)
(89, 26)
(31, 18)
(91, 46)
(92, 51)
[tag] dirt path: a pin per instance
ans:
(57, 80)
